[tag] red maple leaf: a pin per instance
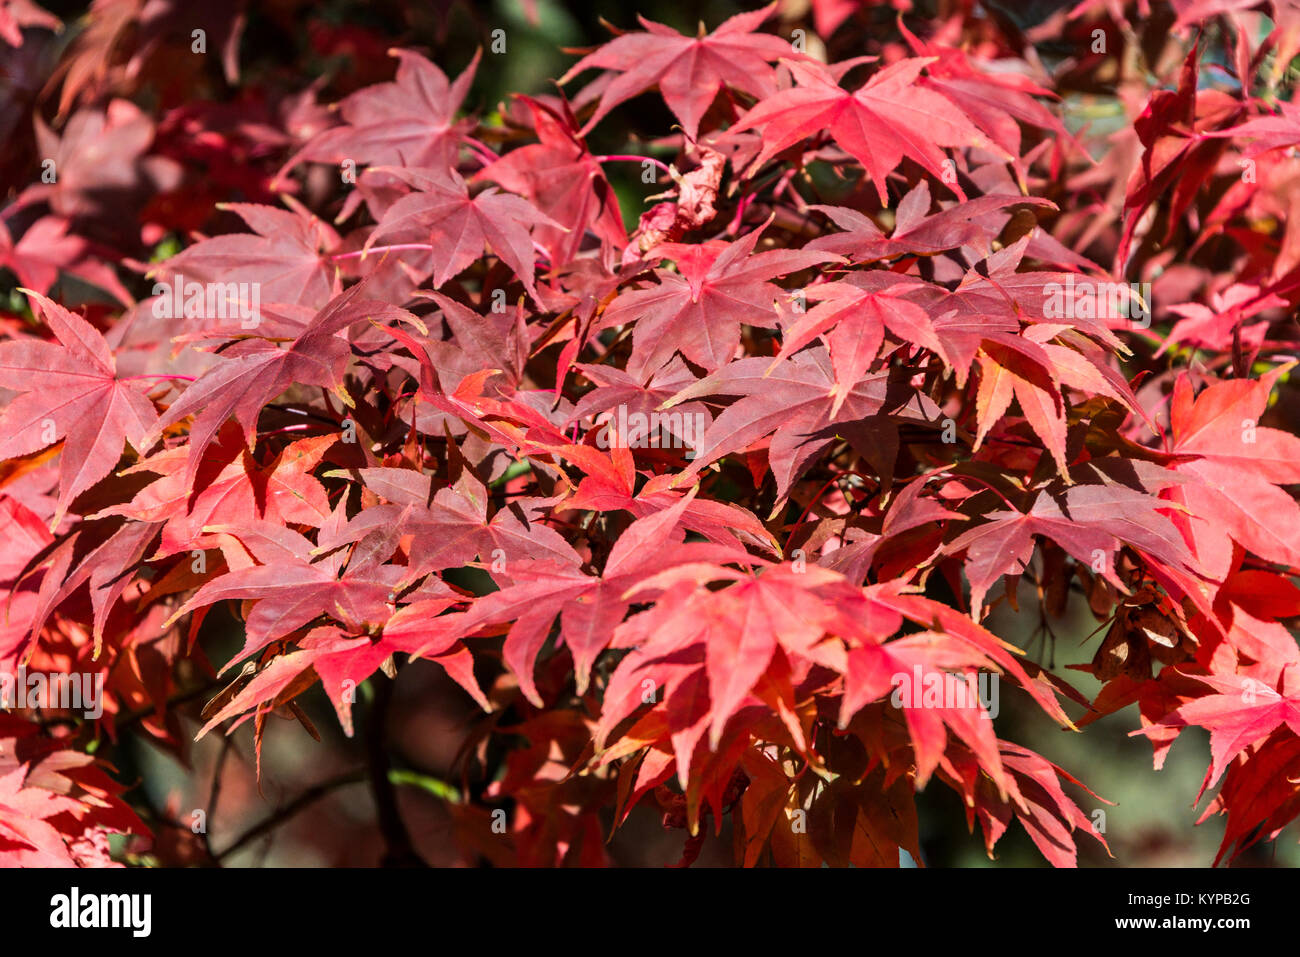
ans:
(698, 309)
(561, 177)
(1238, 470)
(689, 71)
(441, 213)
(410, 121)
(888, 118)
(71, 392)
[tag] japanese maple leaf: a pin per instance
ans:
(936, 616)
(1099, 518)
(105, 168)
(891, 117)
(779, 608)
(1034, 797)
(1262, 594)
(698, 310)
(25, 535)
(1240, 466)
(70, 391)
(1215, 326)
(292, 592)
(829, 15)
(1133, 517)
(853, 316)
(589, 607)
(422, 631)
(1258, 795)
(27, 838)
(708, 653)
(1006, 373)
(907, 510)
(993, 101)
(689, 71)
(786, 612)
(255, 371)
(1179, 156)
(616, 388)
(668, 643)
(493, 341)
(409, 122)
(273, 685)
(55, 805)
(926, 659)
(108, 568)
(449, 531)
(442, 214)
(561, 177)
(798, 403)
(343, 661)
(1269, 132)
(1242, 712)
(917, 232)
(500, 419)
(997, 298)
(231, 487)
(286, 258)
(610, 482)
(962, 318)
(1033, 373)
(48, 248)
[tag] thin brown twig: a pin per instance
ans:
(302, 801)
(214, 793)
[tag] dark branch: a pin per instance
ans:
(302, 801)
(398, 850)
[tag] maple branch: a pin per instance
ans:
(284, 430)
(302, 801)
(630, 158)
(398, 850)
(815, 499)
(214, 793)
(305, 413)
(156, 818)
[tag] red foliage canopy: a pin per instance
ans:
(713, 509)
